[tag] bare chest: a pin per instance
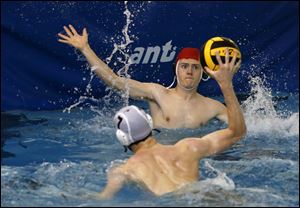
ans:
(182, 114)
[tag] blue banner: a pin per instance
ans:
(38, 72)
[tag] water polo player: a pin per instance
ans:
(165, 168)
(179, 107)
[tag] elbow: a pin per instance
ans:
(239, 133)
(243, 129)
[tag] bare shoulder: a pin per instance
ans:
(158, 91)
(191, 147)
(122, 172)
(136, 167)
(186, 143)
(215, 106)
(159, 88)
(133, 162)
(211, 101)
(117, 169)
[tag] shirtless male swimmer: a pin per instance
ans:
(192, 109)
(165, 168)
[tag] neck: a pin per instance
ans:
(147, 144)
(185, 94)
(183, 88)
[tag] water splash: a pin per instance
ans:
(113, 164)
(261, 116)
(221, 180)
(121, 49)
(207, 190)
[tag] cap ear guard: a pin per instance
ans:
(122, 137)
(149, 118)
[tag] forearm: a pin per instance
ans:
(116, 179)
(236, 121)
(105, 194)
(101, 69)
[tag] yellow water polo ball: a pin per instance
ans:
(208, 52)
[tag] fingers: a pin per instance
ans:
(63, 41)
(84, 33)
(63, 36)
(237, 65)
(218, 58)
(68, 31)
(209, 71)
(234, 57)
(73, 30)
(226, 56)
(232, 63)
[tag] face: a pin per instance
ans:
(189, 73)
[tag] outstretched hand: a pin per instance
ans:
(226, 70)
(73, 38)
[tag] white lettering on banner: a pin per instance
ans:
(168, 54)
(151, 50)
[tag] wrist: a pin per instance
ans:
(85, 49)
(224, 85)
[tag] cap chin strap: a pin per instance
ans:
(205, 79)
(174, 79)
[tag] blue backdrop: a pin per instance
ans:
(38, 72)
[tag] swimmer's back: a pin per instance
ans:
(162, 169)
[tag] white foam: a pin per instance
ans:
(221, 180)
(122, 50)
(114, 163)
(261, 116)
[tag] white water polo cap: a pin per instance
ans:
(132, 124)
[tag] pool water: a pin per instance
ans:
(56, 158)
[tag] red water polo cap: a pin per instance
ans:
(188, 53)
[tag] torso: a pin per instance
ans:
(171, 111)
(162, 169)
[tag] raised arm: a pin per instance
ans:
(104, 72)
(220, 140)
